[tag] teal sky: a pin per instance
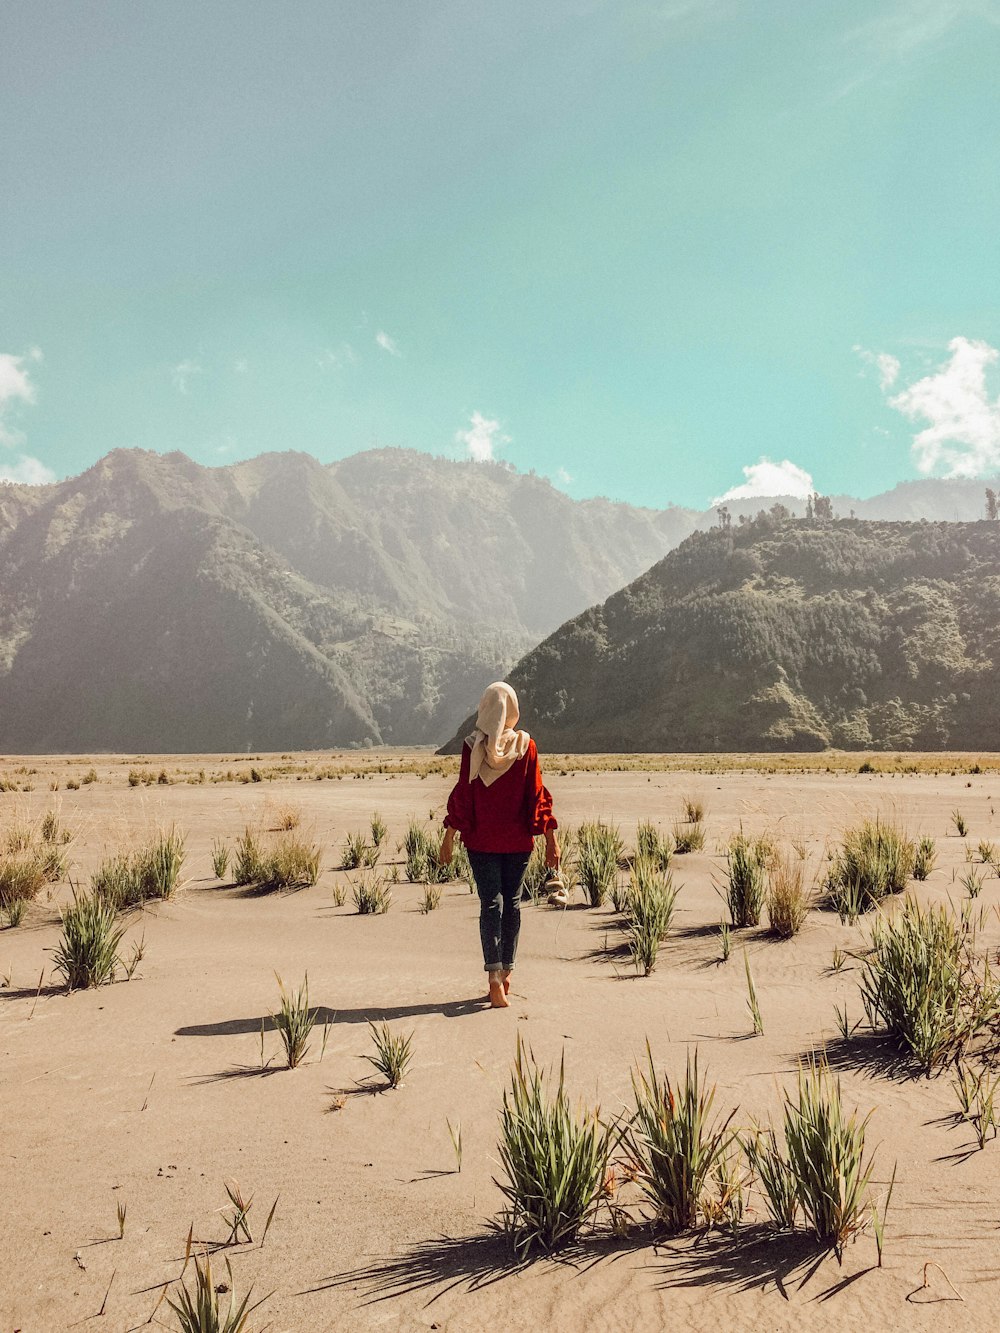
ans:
(637, 247)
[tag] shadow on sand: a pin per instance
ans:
(234, 1027)
(472, 1262)
(756, 1258)
(449, 1262)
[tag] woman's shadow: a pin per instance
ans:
(235, 1027)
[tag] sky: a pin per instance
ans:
(665, 251)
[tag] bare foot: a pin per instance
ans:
(498, 995)
(506, 982)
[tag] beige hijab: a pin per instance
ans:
(495, 745)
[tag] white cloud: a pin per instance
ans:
(962, 438)
(770, 479)
(27, 471)
(885, 363)
(15, 387)
(336, 358)
(183, 373)
(901, 33)
(387, 344)
(563, 476)
(482, 438)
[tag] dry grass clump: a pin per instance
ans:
(22, 877)
(14, 911)
(788, 898)
(372, 896)
(688, 837)
(923, 983)
(599, 851)
(149, 871)
(292, 863)
(248, 858)
(746, 878)
(554, 1160)
(288, 862)
(87, 952)
(694, 809)
(31, 857)
(288, 817)
(875, 860)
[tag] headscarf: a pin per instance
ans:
(495, 744)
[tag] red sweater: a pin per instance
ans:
(506, 815)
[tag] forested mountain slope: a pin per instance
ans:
(784, 634)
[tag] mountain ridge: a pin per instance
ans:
(783, 634)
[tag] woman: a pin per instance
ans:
(498, 805)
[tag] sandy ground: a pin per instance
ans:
(150, 1092)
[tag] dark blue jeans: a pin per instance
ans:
(498, 877)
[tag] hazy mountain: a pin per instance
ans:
(154, 604)
(783, 635)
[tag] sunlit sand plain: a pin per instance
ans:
(151, 1092)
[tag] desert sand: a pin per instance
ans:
(150, 1092)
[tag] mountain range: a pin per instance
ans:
(153, 604)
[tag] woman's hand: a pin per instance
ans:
(447, 848)
(552, 850)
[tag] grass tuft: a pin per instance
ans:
(372, 897)
(294, 1022)
(199, 1311)
(649, 909)
(674, 1143)
(392, 1053)
(600, 849)
(746, 879)
(149, 871)
(922, 982)
(688, 837)
(554, 1159)
(826, 1156)
(220, 859)
(924, 858)
(87, 952)
(874, 861)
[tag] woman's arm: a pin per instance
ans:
(540, 817)
(461, 816)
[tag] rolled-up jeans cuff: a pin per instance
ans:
(493, 967)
